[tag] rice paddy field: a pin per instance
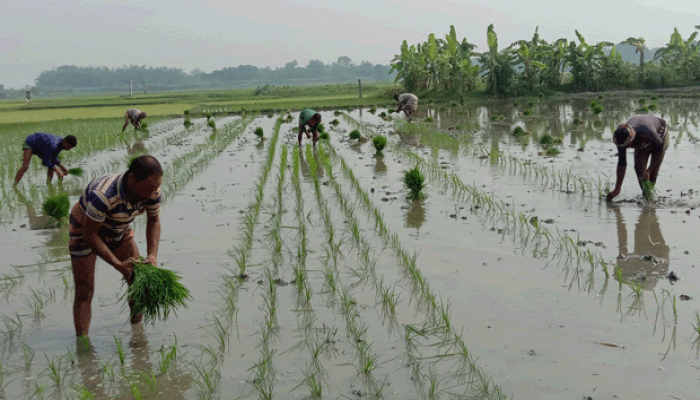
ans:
(313, 275)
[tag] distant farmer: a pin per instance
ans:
(647, 135)
(408, 103)
(312, 119)
(134, 116)
(100, 226)
(46, 146)
(29, 96)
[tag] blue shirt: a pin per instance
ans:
(47, 147)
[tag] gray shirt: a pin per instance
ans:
(408, 100)
(133, 114)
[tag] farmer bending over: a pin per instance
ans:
(312, 119)
(99, 226)
(408, 103)
(134, 116)
(647, 135)
(46, 146)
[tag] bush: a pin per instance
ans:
(155, 292)
(259, 132)
(379, 144)
(56, 206)
(414, 180)
(355, 134)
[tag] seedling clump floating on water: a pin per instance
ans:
(355, 134)
(208, 114)
(552, 151)
(335, 122)
(597, 109)
(379, 144)
(56, 206)
(518, 131)
(324, 136)
(155, 292)
(527, 112)
(212, 124)
(259, 132)
(415, 182)
(546, 140)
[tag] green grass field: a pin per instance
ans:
(175, 103)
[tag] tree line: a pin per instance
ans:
(535, 65)
(76, 78)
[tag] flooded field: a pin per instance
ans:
(313, 276)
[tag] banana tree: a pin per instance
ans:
(585, 62)
(640, 44)
(681, 55)
(497, 67)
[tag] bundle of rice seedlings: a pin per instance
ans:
(259, 132)
(57, 206)
(552, 151)
(335, 122)
(648, 190)
(208, 114)
(597, 109)
(415, 182)
(77, 171)
(429, 119)
(382, 114)
(518, 131)
(652, 107)
(187, 121)
(546, 140)
(155, 292)
(320, 128)
(527, 112)
(373, 109)
(337, 113)
(355, 134)
(144, 126)
(324, 136)
(379, 144)
(212, 124)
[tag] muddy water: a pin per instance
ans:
(541, 327)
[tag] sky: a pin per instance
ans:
(213, 34)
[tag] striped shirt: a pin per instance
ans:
(104, 200)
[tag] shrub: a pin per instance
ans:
(355, 134)
(414, 180)
(379, 144)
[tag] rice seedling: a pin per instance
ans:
(355, 134)
(259, 132)
(335, 122)
(167, 357)
(144, 127)
(597, 109)
(552, 151)
(77, 172)
(27, 355)
(324, 136)
(527, 112)
(652, 107)
(155, 292)
(643, 109)
(187, 121)
(211, 123)
(56, 206)
(56, 370)
(649, 190)
(429, 119)
(120, 349)
(379, 143)
(373, 110)
(518, 132)
(208, 114)
(414, 180)
(546, 140)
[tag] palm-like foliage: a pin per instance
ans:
(681, 55)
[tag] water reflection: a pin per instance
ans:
(415, 216)
(649, 260)
(35, 221)
(380, 168)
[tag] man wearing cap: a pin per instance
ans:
(134, 116)
(647, 135)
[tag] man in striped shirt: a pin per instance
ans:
(134, 116)
(100, 226)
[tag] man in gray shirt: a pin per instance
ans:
(134, 116)
(647, 135)
(408, 103)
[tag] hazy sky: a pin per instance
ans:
(37, 35)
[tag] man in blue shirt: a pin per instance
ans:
(47, 147)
